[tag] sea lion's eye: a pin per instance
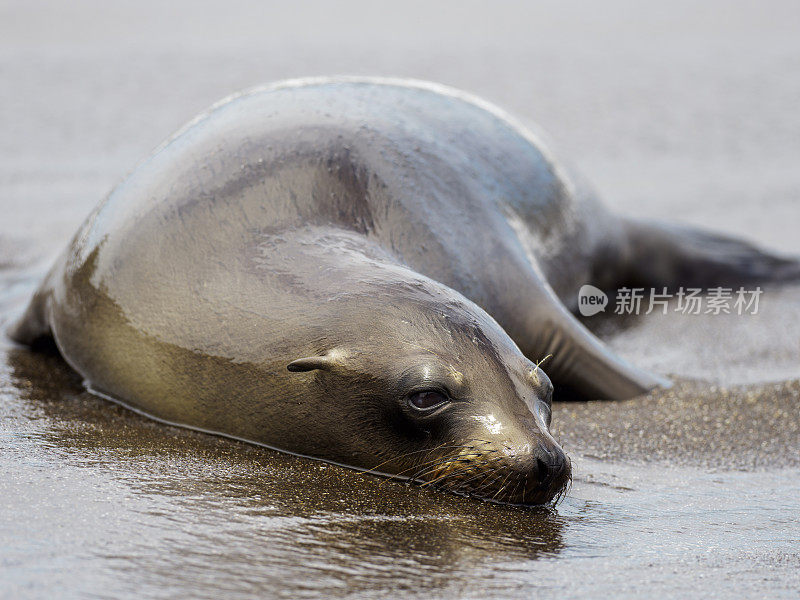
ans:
(427, 400)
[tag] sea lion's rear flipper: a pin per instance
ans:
(671, 255)
(581, 366)
(654, 255)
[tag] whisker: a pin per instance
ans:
(447, 474)
(443, 446)
(469, 469)
(489, 480)
(562, 493)
(516, 487)
(450, 475)
(388, 460)
(454, 482)
(460, 472)
(481, 474)
(430, 468)
(460, 455)
(459, 485)
(525, 489)
(502, 485)
(422, 466)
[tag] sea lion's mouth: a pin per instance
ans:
(496, 473)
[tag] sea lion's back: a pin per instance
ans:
(430, 173)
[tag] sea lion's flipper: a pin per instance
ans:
(582, 367)
(671, 255)
(31, 326)
(517, 295)
(654, 255)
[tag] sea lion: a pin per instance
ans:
(363, 271)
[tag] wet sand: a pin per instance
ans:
(682, 112)
(748, 428)
(98, 501)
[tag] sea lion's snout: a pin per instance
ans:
(510, 456)
(531, 474)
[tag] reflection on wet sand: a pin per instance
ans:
(202, 508)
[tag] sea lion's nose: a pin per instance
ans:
(551, 468)
(543, 471)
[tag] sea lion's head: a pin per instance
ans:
(436, 392)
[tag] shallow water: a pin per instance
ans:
(685, 112)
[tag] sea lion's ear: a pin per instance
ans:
(310, 363)
(335, 357)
